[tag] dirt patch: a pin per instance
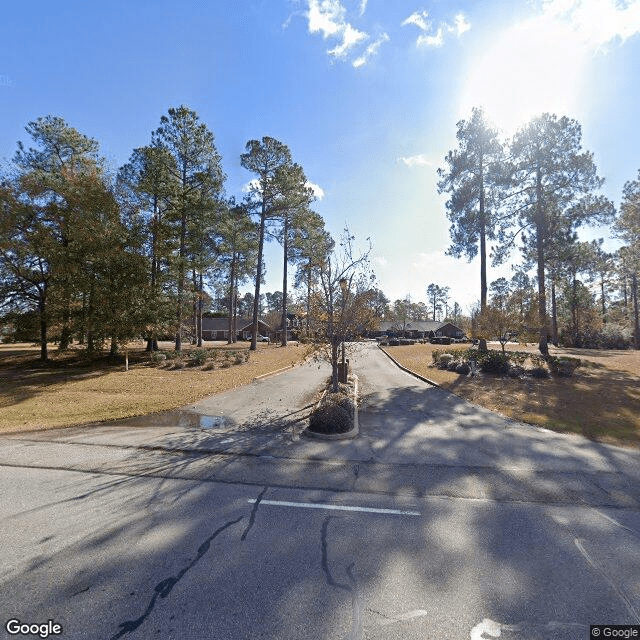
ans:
(72, 391)
(601, 401)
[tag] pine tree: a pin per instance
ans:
(471, 180)
(197, 176)
(549, 172)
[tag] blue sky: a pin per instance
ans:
(365, 93)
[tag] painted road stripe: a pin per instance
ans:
(334, 507)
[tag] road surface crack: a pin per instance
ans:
(252, 516)
(164, 587)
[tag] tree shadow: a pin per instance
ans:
(518, 530)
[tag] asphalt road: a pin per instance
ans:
(441, 520)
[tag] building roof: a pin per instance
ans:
(222, 324)
(414, 325)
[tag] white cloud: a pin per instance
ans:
(318, 191)
(429, 39)
(363, 6)
(419, 18)
(325, 16)
(596, 23)
(350, 38)
(414, 161)
(252, 185)
(370, 51)
(462, 25)
(328, 17)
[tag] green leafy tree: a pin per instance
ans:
(312, 245)
(147, 183)
(295, 215)
(437, 297)
(54, 202)
(197, 179)
(627, 228)
(267, 158)
(471, 178)
(239, 244)
(550, 172)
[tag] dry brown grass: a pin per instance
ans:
(70, 391)
(601, 401)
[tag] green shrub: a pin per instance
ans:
(435, 355)
(198, 357)
(157, 357)
(330, 418)
(538, 372)
(563, 367)
(445, 360)
(493, 362)
(463, 368)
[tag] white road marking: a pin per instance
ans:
(334, 507)
(403, 617)
(495, 629)
(486, 626)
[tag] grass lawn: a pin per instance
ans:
(601, 401)
(72, 391)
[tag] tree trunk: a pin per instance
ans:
(181, 265)
(554, 313)
(636, 332)
(256, 300)
(44, 354)
(540, 237)
(334, 364)
(283, 340)
(231, 296)
(200, 305)
(483, 243)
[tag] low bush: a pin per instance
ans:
(538, 372)
(463, 368)
(198, 357)
(330, 418)
(493, 362)
(445, 360)
(157, 357)
(563, 367)
(516, 371)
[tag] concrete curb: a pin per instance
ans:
(347, 435)
(413, 373)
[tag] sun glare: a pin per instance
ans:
(535, 66)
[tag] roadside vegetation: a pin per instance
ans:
(600, 400)
(72, 389)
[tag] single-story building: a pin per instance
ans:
(218, 328)
(295, 322)
(418, 329)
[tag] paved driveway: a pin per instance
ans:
(442, 520)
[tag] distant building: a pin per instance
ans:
(418, 329)
(218, 328)
(294, 327)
